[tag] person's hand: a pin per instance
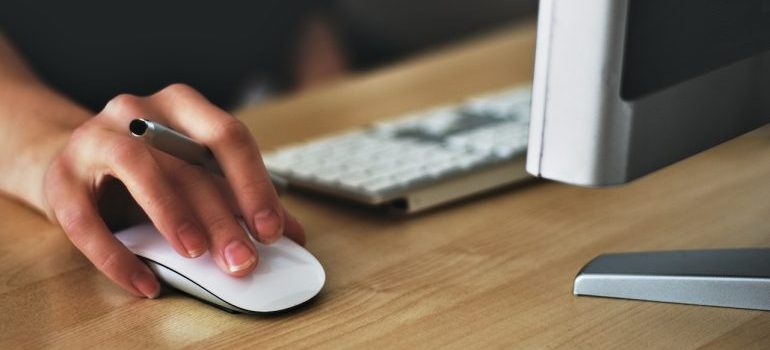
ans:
(193, 209)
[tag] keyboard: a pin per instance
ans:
(419, 160)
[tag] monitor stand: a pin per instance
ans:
(737, 278)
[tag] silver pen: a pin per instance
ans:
(178, 145)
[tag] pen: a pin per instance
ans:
(178, 145)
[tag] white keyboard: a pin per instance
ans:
(419, 160)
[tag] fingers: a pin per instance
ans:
(76, 212)
(133, 163)
(230, 247)
(236, 152)
(184, 109)
(99, 152)
(292, 227)
(193, 213)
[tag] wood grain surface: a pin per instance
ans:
(491, 272)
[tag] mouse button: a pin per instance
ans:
(272, 259)
(278, 268)
(280, 289)
(286, 276)
(143, 239)
(147, 242)
(285, 252)
(204, 273)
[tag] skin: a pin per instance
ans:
(65, 177)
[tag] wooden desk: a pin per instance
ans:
(495, 271)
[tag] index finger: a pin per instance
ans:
(76, 212)
(235, 150)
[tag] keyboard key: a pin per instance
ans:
(415, 150)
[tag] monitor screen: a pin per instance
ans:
(668, 42)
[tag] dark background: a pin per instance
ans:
(93, 50)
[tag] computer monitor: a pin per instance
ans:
(624, 87)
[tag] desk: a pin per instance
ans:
(495, 271)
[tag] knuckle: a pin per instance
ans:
(75, 156)
(85, 135)
(177, 89)
(219, 224)
(110, 263)
(186, 173)
(127, 151)
(79, 134)
(56, 176)
(232, 131)
(260, 188)
(56, 171)
(123, 104)
(163, 203)
(82, 140)
(71, 221)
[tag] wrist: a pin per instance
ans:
(35, 124)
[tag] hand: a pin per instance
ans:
(193, 209)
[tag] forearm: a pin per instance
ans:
(35, 122)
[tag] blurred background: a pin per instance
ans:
(238, 52)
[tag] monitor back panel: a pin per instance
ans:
(623, 88)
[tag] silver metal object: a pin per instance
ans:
(735, 278)
(584, 132)
(178, 145)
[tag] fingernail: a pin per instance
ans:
(144, 281)
(268, 224)
(238, 256)
(192, 239)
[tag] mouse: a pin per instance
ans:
(287, 274)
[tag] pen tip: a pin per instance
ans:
(138, 127)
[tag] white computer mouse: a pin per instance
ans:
(287, 275)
